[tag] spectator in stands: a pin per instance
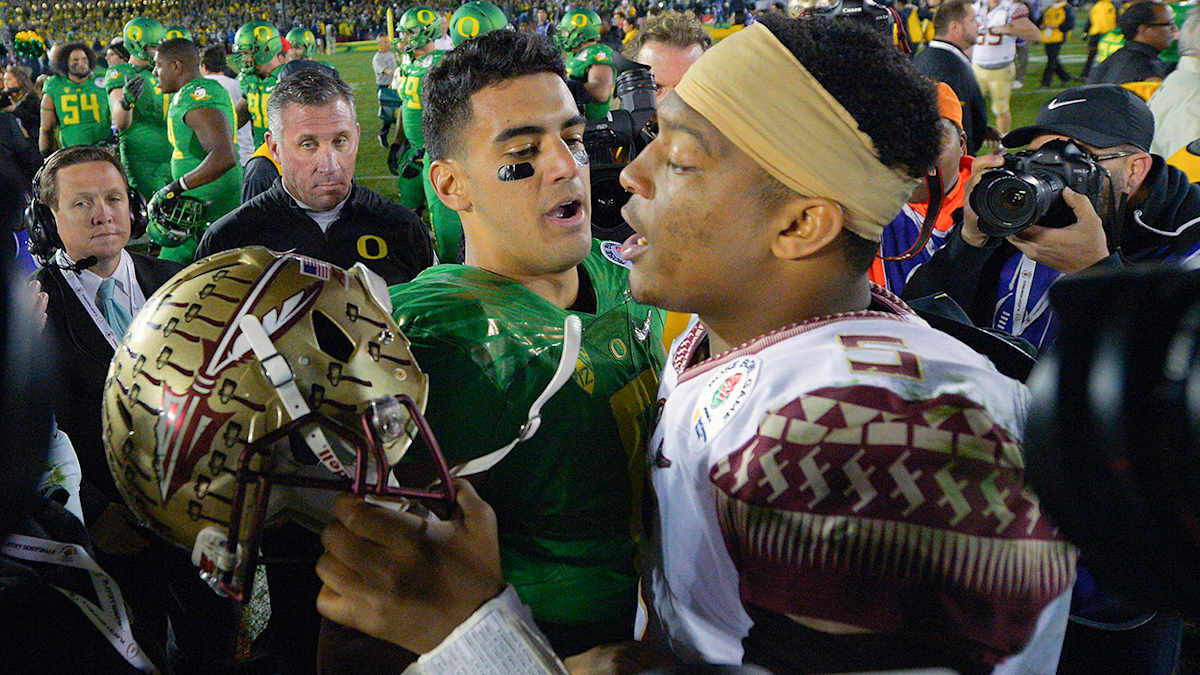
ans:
(213, 66)
(1176, 103)
(1149, 28)
(945, 60)
(669, 43)
(316, 208)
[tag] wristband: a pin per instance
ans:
(183, 187)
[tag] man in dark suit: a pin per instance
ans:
(954, 31)
(94, 287)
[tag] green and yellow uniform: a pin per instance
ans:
(220, 196)
(81, 108)
(568, 501)
(447, 229)
(145, 150)
(578, 66)
(257, 90)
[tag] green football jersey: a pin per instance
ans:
(81, 108)
(145, 149)
(410, 94)
(257, 90)
(569, 500)
(224, 194)
(577, 69)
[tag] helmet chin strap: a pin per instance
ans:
(572, 341)
(283, 380)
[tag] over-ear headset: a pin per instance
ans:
(43, 231)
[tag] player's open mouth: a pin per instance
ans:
(633, 246)
(567, 214)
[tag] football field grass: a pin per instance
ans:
(371, 170)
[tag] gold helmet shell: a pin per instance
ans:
(199, 405)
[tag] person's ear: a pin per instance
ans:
(449, 182)
(806, 226)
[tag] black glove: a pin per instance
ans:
(133, 91)
(395, 152)
(414, 166)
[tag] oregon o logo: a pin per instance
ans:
(463, 24)
(262, 33)
(135, 33)
(308, 36)
(426, 16)
(579, 20)
(372, 247)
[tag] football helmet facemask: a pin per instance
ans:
(248, 380)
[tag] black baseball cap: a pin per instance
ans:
(1100, 115)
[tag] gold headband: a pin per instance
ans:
(756, 93)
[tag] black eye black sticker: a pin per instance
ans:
(511, 172)
(581, 157)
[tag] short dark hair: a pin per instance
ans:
(949, 12)
(63, 57)
(213, 58)
(179, 49)
(474, 65)
(47, 185)
(674, 28)
(1135, 16)
(308, 87)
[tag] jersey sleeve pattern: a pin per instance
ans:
(856, 505)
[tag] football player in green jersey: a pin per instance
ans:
(258, 53)
(415, 34)
(74, 104)
(175, 31)
(505, 142)
(304, 44)
(138, 108)
(474, 19)
(588, 61)
(202, 127)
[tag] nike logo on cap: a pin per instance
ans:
(1058, 104)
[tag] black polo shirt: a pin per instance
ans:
(372, 229)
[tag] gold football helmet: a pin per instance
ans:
(248, 379)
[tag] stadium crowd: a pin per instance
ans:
(283, 422)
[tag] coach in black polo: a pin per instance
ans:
(316, 208)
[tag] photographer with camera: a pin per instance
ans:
(1088, 194)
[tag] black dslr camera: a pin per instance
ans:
(1027, 190)
(613, 142)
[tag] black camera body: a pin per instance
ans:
(613, 142)
(1027, 190)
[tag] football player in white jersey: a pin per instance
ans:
(1001, 22)
(838, 485)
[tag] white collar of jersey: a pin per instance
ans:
(323, 218)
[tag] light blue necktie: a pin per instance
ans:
(117, 314)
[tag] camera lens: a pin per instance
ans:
(1010, 205)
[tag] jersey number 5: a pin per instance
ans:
(880, 354)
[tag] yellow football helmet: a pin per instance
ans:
(230, 359)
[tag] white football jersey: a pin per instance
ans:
(991, 48)
(711, 411)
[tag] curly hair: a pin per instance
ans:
(892, 103)
(63, 57)
(677, 29)
(474, 65)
